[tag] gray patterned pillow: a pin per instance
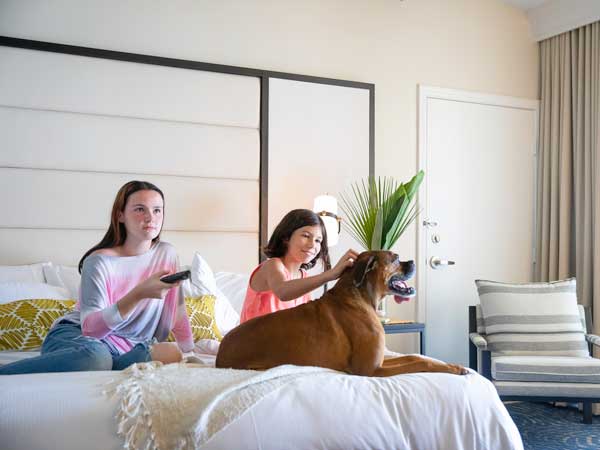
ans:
(539, 319)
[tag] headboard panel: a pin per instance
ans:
(98, 143)
(329, 150)
(62, 82)
(73, 129)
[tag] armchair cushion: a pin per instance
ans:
(540, 319)
(558, 369)
(576, 391)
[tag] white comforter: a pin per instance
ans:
(332, 411)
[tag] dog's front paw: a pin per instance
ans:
(457, 369)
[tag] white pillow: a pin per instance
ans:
(16, 290)
(30, 273)
(203, 282)
(234, 286)
(64, 276)
(226, 317)
(203, 277)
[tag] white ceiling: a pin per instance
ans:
(552, 17)
(525, 4)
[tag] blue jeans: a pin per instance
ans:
(65, 349)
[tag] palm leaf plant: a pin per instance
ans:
(379, 210)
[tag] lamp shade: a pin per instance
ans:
(328, 204)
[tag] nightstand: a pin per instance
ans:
(407, 327)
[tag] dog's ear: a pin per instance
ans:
(362, 268)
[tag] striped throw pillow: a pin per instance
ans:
(539, 319)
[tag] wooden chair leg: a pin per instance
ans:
(587, 412)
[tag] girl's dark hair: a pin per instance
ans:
(117, 233)
(297, 218)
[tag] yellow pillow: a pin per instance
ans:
(25, 323)
(201, 311)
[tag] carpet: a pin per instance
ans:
(545, 427)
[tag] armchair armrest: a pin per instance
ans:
(593, 339)
(478, 347)
(479, 341)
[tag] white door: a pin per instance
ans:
(477, 200)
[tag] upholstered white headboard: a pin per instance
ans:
(74, 129)
(77, 123)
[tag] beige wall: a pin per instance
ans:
(476, 45)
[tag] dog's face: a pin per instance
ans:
(382, 273)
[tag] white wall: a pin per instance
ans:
(476, 45)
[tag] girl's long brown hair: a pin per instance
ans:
(117, 233)
(297, 218)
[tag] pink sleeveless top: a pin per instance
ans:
(265, 302)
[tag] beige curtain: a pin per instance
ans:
(568, 225)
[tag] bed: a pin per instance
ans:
(64, 162)
(315, 409)
(329, 412)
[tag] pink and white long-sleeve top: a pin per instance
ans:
(107, 279)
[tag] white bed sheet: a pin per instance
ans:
(416, 411)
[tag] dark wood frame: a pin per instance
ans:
(486, 371)
(263, 75)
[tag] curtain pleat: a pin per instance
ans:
(568, 209)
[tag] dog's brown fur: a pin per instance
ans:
(340, 331)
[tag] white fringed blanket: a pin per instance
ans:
(181, 406)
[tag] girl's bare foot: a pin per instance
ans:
(166, 352)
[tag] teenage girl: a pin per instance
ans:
(124, 311)
(281, 282)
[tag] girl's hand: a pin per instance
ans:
(152, 287)
(347, 260)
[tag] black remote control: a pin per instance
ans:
(175, 277)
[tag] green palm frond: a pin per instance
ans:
(379, 210)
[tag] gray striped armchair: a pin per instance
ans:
(532, 341)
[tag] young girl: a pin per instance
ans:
(124, 310)
(281, 282)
